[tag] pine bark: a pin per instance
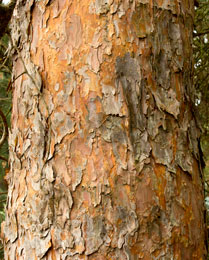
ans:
(104, 155)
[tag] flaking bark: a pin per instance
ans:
(104, 158)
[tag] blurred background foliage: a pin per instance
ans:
(201, 83)
(5, 113)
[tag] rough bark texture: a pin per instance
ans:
(104, 146)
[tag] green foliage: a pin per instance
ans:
(201, 81)
(5, 103)
(201, 72)
(5, 109)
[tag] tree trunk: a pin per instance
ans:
(104, 155)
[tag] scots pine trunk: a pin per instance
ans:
(104, 156)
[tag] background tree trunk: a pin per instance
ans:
(104, 150)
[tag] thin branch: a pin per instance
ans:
(10, 109)
(7, 69)
(3, 64)
(4, 193)
(3, 158)
(4, 99)
(3, 46)
(9, 87)
(24, 72)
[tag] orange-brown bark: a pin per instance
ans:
(104, 146)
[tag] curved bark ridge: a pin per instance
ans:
(104, 146)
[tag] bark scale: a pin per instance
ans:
(104, 145)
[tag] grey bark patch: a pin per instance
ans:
(61, 125)
(184, 157)
(11, 225)
(63, 239)
(129, 74)
(133, 87)
(163, 70)
(78, 172)
(155, 120)
(194, 136)
(167, 100)
(49, 173)
(41, 246)
(63, 203)
(162, 148)
(112, 100)
(69, 82)
(93, 232)
(127, 225)
(95, 118)
(142, 149)
(128, 67)
(101, 6)
(78, 237)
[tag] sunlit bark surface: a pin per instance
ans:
(104, 157)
